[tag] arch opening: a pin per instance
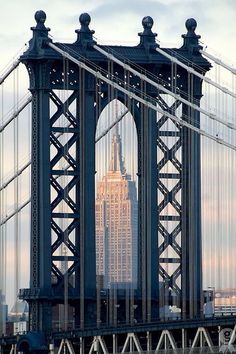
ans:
(116, 214)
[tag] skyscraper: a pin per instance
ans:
(117, 223)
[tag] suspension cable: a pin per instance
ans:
(15, 175)
(10, 67)
(172, 54)
(161, 87)
(15, 211)
(17, 217)
(97, 68)
(218, 61)
(28, 163)
(10, 70)
(26, 101)
(97, 74)
(111, 126)
(29, 99)
(20, 207)
(196, 73)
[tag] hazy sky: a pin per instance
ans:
(119, 21)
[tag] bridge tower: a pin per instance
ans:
(57, 85)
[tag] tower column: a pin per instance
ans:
(148, 215)
(40, 279)
(192, 301)
(86, 199)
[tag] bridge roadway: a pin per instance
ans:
(157, 326)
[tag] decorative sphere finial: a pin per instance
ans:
(40, 16)
(85, 19)
(147, 37)
(191, 24)
(191, 39)
(147, 22)
(85, 35)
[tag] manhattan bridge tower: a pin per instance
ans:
(67, 101)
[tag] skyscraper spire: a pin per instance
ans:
(116, 162)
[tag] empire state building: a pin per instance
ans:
(117, 224)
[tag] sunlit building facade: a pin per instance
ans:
(117, 224)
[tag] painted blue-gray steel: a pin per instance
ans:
(49, 72)
(37, 342)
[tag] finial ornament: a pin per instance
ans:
(191, 25)
(191, 39)
(147, 23)
(147, 37)
(85, 35)
(38, 44)
(40, 18)
(85, 19)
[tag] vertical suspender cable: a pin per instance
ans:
(134, 174)
(193, 143)
(97, 240)
(217, 192)
(2, 268)
(82, 254)
(112, 270)
(16, 193)
(63, 206)
(142, 243)
(126, 247)
(2, 228)
(61, 307)
(232, 196)
(145, 276)
(188, 166)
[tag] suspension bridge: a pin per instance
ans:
(117, 195)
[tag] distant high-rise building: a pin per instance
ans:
(117, 224)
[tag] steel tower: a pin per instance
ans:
(180, 231)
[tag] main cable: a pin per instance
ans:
(126, 84)
(196, 73)
(97, 74)
(218, 61)
(162, 88)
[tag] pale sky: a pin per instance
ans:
(119, 21)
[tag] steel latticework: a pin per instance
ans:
(67, 101)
